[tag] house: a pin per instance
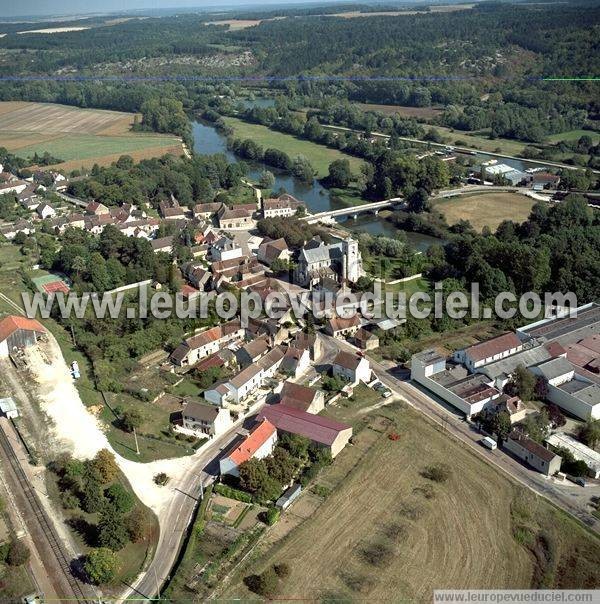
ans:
(171, 210)
(28, 198)
(512, 405)
(579, 451)
(17, 333)
(310, 342)
(327, 433)
(258, 444)
(340, 327)
(288, 497)
(95, 208)
(489, 351)
(225, 249)
(163, 244)
(10, 231)
(250, 353)
(45, 210)
(206, 343)
(247, 381)
(366, 340)
(8, 408)
(97, 224)
(197, 275)
(531, 452)
(205, 419)
(302, 398)
(296, 361)
(272, 250)
(206, 210)
(351, 367)
(544, 180)
(340, 262)
(236, 217)
(275, 332)
(13, 186)
(284, 205)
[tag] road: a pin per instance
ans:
(186, 495)
(551, 164)
(569, 497)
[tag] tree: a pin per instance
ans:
(91, 494)
(101, 565)
(418, 201)
(590, 433)
(137, 525)
(521, 384)
(340, 174)
(112, 532)
(106, 465)
(253, 474)
(18, 553)
(272, 515)
(131, 420)
(267, 180)
(122, 499)
(541, 390)
(501, 425)
(556, 416)
(264, 584)
(302, 169)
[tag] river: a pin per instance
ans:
(208, 141)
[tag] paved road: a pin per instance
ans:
(186, 495)
(571, 498)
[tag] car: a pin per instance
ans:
(386, 393)
(489, 443)
(580, 480)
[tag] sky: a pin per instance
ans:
(37, 8)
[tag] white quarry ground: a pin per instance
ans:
(80, 433)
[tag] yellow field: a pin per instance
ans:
(80, 137)
(387, 533)
(486, 209)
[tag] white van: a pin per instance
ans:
(489, 443)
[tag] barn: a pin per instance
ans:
(17, 333)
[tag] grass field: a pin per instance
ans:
(319, 155)
(488, 209)
(480, 141)
(386, 533)
(79, 137)
(573, 135)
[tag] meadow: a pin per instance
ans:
(79, 137)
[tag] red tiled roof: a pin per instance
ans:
(492, 347)
(347, 360)
(252, 443)
(297, 396)
(339, 323)
(13, 323)
(314, 427)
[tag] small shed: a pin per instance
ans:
(289, 497)
(8, 408)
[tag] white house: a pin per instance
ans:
(489, 351)
(351, 367)
(205, 419)
(45, 210)
(225, 249)
(258, 444)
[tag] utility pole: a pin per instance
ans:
(137, 449)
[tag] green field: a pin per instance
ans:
(573, 135)
(320, 156)
(87, 146)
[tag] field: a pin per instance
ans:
(480, 141)
(417, 112)
(450, 8)
(488, 209)
(319, 155)
(79, 137)
(573, 135)
(387, 533)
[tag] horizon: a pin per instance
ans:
(49, 9)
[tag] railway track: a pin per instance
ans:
(40, 516)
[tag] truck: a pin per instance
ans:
(489, 443)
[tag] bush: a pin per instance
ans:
(18, 553)
(161, 479)
(439, 472)
(232, 493)
(282, 570)
(264, 584)
(68, 500)
(120, 497)
(101, 565)
(272, 516)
